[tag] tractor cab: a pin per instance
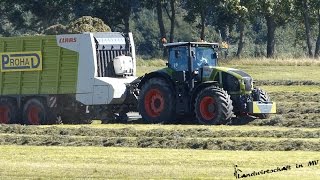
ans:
(191, 56)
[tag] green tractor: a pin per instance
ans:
(193, 86)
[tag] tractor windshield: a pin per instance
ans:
(204, 56)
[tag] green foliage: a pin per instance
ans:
(212, 20)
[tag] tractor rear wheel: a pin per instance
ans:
(260, 95)
(156, 101)
(35, 112)
(8, 111)
(213, 106)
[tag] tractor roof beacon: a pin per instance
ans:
(192, 85)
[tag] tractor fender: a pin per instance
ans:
(156, 74)
(198, 88)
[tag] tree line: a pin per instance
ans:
(252, 27)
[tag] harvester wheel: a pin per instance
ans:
(8, 111)
(156, 101)
(213, 106)
(263, 97)
(35, 112)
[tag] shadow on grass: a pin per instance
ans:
(244, 120)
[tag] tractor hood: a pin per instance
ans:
(210, 71)
(232, 80)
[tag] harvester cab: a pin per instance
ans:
(194, 86)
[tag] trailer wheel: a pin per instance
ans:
(8, 111)
(35, 112)
(213, 106)
(260, 95)
(156, 102)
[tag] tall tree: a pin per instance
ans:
(276, 13)
(47, 13)
(201, 9)
(317, 10)
(172, 16)
(228, 14)
(167, 6)
(162, 29)
(12, 17)
(115, 13)
(304, 7)
(222, 14)
(306, 17)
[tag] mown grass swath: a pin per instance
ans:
(177, 138)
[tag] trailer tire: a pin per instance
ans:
(156, 102)
(264, 97)
(213, 106)
(35, 112)
(8, 111)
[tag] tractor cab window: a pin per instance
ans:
(178, 58)
(204, 56)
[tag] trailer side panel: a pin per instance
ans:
(58, 74)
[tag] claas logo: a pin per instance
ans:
(21, 61)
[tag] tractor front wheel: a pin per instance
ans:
(156, 101)
(213, 106)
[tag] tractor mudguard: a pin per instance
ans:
(156, 74)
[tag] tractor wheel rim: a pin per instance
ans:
(154, 102)
(34, 115)
(208, 108)
(4, 114)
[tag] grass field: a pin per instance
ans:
(30, 162)
(252, 138)
(181, 151)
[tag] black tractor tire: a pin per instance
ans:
(264, 97)
(8, 111)
(156, 102)
(35, 112)
(213, 106)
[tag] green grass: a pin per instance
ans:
(271, 62)
(300, 89)
(294, 70)
(292, 73)
(30, 162)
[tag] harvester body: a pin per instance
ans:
(45, 79)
